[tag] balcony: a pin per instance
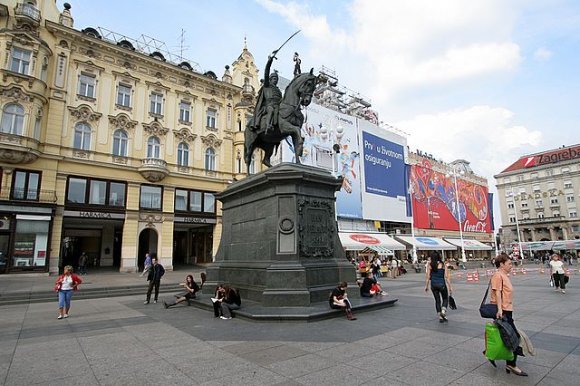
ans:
(16, 149)
(20, 195)
(542, 220)
(153, 169)
(27, 13)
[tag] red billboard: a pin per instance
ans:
(435, 204)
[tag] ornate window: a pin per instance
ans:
(210, 159)
(156, 103)
(153, 147)
(124, 95)
(183, 154)
(82, 140)
(20, 62)
(87, 85)
(211, 118)
(12, 119)
(120, 140)
(184, 111)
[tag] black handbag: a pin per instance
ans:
(452, 304)
(487, 311)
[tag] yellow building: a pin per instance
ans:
(108, 149)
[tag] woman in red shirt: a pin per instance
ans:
(65, 285)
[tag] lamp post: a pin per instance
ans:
(454, 173)
(414, 250)
(512, 195)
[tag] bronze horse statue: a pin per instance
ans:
(290, 119)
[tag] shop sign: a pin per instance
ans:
(549, 193)
(553, 157)
(195, 220)
(96, 215)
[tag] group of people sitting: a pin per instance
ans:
(368, 287)
(226, 298)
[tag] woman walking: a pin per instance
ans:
(65, 285)
(558, 273)
(502, 295)
(437, 276)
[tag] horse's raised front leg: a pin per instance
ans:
(298, 142)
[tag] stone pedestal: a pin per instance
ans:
(280, 244)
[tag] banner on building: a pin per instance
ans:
(331, 143)
(435, 205)
(383, 155)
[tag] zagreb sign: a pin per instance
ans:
(553, 157)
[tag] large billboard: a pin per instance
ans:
(384, 195)
(322, 130)
(435, 204)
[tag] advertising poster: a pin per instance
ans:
(435, 205)
(383, 155)
(322, 130)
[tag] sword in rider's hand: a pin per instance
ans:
(283, 44)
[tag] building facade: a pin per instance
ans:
(538, 195)
(109, 148)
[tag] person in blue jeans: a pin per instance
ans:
(438, 278)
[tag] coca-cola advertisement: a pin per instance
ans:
(435, 203)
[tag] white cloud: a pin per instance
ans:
(484, 135)
(542, 54)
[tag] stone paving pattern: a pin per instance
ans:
(120, 341)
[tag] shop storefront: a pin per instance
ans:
(193, 240)
(380, 243)
(96, 233)
(24, 238)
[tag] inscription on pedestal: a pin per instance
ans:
(316, 230)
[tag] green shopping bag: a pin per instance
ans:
(495, 349)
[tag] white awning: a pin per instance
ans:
(469, 244)
(360, 241)
(427, 243)
(379, 250)
(566, 244)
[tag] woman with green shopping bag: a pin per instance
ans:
(502, 296)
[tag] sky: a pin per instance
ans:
(483, 80)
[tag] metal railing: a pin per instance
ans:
(22, 195)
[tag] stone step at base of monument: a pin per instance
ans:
(254, 311)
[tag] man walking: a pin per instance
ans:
(156, 272)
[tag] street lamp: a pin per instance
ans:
(512, 195)
(414, 252)
(454, 173)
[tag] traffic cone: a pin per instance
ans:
(524, 271)
(469, 277)
(476, 277)
(514, 272)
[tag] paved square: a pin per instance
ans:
(120, 341)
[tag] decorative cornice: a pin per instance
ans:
(16, 94)
(154, 128)
(122, 121)
(84, 113)
(125, 75)
(157, 85)
(184, 135)
(211, 141)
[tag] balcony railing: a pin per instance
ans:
(153, 169)
(21, 195)
(524, 221)
(27, 10)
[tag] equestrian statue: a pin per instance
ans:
(278, 116)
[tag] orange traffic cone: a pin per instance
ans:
(476, 277)
(469, 277)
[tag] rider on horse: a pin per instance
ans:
(269, 98)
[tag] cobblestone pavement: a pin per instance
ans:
(121, 341)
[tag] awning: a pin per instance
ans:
(567, 244)
(535, 246)
(469, 244)
(427, 243)
(378, 249)
(360, 241)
